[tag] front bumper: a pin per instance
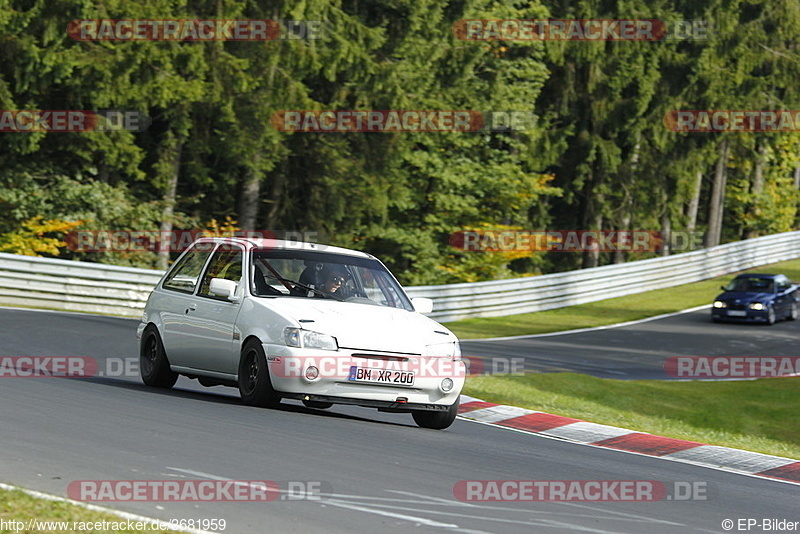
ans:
(288, 365)
(752, 316)
(383, 406)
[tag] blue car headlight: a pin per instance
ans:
(757, 306)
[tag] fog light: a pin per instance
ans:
(312, 373)
(446, 385)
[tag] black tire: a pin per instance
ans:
(255, 386)
(153, 363)
(771, 315)
(436, 420)
(318, 405)
(792, 312)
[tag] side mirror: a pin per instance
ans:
(722, 288)
(422, 304)
(220, 287)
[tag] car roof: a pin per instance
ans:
(280, 244)
(760, 275)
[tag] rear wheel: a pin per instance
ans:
(436, 420)
(255, 387)
(153, 362)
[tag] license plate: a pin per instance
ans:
(381, 376)
(737, 313)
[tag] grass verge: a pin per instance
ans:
(755, 415)
(18, 506)
(610, 311)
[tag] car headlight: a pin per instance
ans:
(756, 306)
(720, 304)
(444, 350)
(307, 339)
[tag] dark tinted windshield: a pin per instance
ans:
(753, 285)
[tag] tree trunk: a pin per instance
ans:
(171, 164)
(619, 255)
(626, 206)
(694, 202)
(276, 192)
(757, 187)
(591, 258)
(666, 232)
(714, 233)
(249, 201)
(797, 173)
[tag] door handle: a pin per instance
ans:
(192, 307)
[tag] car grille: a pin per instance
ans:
(384, 357)
(734, 306)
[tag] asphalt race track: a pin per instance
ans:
(381, 473)
(638, 351)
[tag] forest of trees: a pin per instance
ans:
(599, 157)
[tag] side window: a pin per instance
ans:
(783, 284)
(186, 272)
(226, 263)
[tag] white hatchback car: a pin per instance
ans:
(321, 324)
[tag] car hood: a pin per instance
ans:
(364, 326)
(744, 297)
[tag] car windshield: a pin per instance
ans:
(752, 285)
(302, 273)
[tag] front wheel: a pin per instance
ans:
(436, 420)
(792, 312)
(255, 387)
(771, 315)
(153, 363)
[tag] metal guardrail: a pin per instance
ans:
(557, 290)
(74, 285)
(107, 289)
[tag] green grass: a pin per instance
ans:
(610, 311)
(755, 415)
(19, 506)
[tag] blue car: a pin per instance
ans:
(757, 298)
